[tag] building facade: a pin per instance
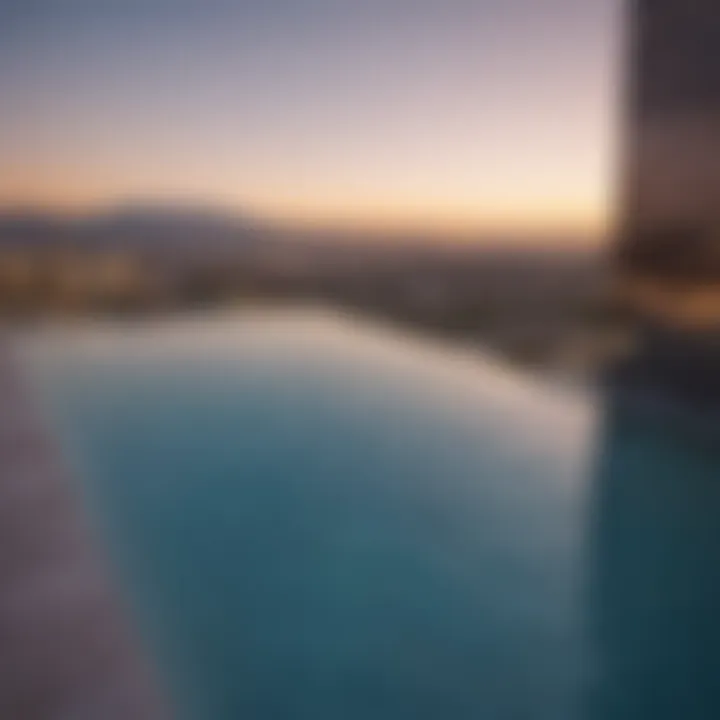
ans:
(669, 250)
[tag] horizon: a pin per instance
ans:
(490, 238)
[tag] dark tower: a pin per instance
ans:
(652, 566)
(668, 259)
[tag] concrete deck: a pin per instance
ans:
(67, 651)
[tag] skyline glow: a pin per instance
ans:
(464, 114)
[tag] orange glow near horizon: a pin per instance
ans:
(453, 209)
(588, 223)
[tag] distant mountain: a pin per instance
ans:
(29, 228)
(173, 216)
(145, 227)
(204, 233)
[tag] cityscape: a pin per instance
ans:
(544, 307)
(359, 359)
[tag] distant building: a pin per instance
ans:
(49, 280)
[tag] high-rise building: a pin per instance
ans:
(668, 260)
(670, 244)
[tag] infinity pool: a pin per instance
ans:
(318, 518)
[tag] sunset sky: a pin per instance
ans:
(479, 114)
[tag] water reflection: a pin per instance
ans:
(655, 575)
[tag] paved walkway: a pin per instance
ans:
(66, 652)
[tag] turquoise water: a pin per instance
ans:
(316, 518)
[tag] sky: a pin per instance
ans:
(457, 114)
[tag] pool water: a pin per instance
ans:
(317, 518)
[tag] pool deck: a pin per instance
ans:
(67, 650)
